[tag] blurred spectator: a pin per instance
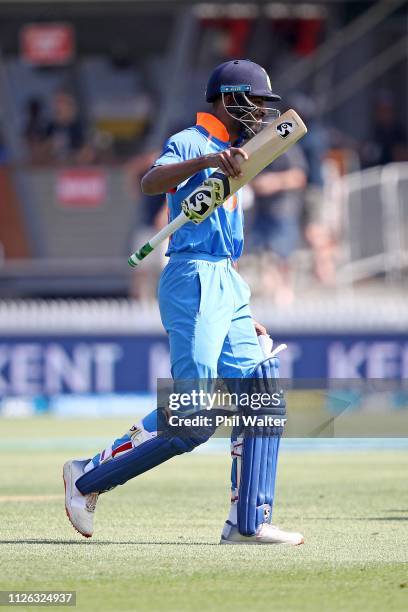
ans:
(152, 217)
(35, 129)
(316, 142)
(389, 137)
(318, 232)
(279, 201)
(3, 151)
(65, 132)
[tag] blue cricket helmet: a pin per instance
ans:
(240, 76)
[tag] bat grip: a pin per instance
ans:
(157, 239)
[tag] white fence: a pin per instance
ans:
(375, 224)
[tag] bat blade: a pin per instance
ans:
(268, 145)
(262, 150)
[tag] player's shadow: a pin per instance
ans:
(106, 542)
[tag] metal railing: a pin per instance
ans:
(375, 224)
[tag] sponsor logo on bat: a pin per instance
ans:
(199, 202)
(284, 129)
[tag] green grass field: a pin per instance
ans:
(156, 543)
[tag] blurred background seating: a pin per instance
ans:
(84, 105)
(87, 101)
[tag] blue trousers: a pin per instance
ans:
(204, 307)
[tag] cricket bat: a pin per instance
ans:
(262, 149)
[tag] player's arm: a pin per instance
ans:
(161, 179)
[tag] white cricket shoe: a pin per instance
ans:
(79, 508)
(265, 534)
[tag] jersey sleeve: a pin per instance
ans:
(176, 149)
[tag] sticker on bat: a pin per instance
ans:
(285, 128)
(198, 204)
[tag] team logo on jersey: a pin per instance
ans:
(284, 129)
(199, 202)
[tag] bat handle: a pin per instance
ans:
(135, 259)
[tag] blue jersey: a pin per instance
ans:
(221, 234)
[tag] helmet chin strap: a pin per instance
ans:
(252, 117)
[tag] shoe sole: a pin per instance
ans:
(85, 535)
(252, 542)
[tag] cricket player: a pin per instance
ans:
(204, 307)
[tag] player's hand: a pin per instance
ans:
(227, 161)
(260, 329)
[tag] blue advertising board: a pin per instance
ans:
(33, 365)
